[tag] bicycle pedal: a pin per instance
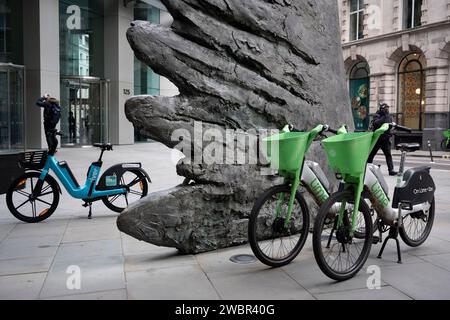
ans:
(376, 240)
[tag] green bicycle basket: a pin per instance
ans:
(348, 153)
(446, 134)
(286, 151)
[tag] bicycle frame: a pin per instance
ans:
(307, 177)
(86, 192)
(358, 184)
(380, 200)
(378, 197)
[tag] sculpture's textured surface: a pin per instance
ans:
(238, 65)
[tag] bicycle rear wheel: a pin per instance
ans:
(274, 242)
(416, 227)
(445, 146)
(339, 254)
(138, 188)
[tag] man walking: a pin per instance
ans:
(384, 142)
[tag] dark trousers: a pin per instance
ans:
(385, 146)
(48, 128)
(72, 132)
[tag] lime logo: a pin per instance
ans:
(379, 194)
(318, 190)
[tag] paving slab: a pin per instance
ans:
(21, 287)
(97, 219)
(25, 265)
(97, 274)
(389, 257)
(439, 260)
(5, 229)
(422, 281)
(432, 246)
(45, 228)
(307, 273)
(103, 231)
(29, 247)
(219, 261)
(187, 282)
(384, 293)
(170, 258)
(268, 284)
(441, 229)
(80, 250)
(132, 246)
(102, 295)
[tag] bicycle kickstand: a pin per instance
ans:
(90, 211)
(89, 204)
(393, 234)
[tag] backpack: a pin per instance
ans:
(53, 114)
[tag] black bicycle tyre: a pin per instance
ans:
(142, 178)
(415, 243)
(317, 236)
(444, 145)
(252, 227)
(13, 187)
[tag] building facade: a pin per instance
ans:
(398, 52)
(76, 51)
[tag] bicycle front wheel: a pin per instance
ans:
(28, 206)
(276, 240)
(340, 253)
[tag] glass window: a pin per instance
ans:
(146, 81)
(11, 108)
(411, 82)
(81, 37)
(356, 19)
(412, 13)
(360, 95)
(11, 32)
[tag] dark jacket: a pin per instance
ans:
(52, 111)
(380, 118)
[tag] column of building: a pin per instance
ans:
(119, 68)
(41, 60)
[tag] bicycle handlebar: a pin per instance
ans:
(400, 128)
(333, 131)
(326, 128)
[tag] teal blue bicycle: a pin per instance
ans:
(34, 196)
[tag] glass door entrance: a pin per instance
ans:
(12, 119)
(84, 105)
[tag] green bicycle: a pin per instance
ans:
(445, 144)
(279, 221)
(342, 239)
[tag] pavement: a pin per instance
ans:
(42, 261)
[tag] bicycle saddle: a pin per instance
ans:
(104, 146)
(408, 147)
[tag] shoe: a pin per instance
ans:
(393, 173)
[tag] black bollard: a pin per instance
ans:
(431, 152)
